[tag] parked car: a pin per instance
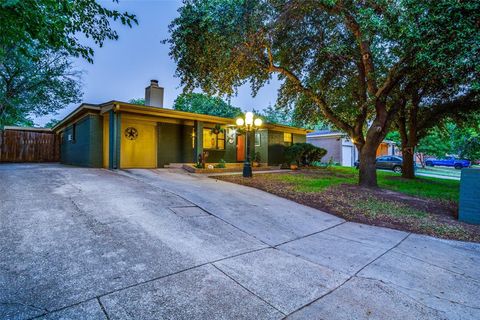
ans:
(448, 162)
(394, 163)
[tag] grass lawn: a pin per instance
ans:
(422, 186)
(441, 171)
(423, 205)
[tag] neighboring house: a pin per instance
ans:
(116, 134)
(340, 148)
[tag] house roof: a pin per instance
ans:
(154, 111)
(325, 133)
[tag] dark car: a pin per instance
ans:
(394, 163)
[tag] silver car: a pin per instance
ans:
(394, 163)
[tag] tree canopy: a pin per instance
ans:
(140, 101)
(450, 138)
(57, 25)
(40, 83)
(37, 39)
(346, 61)
(205, 104)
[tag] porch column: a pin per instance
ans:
(114, 140)
(198, 146)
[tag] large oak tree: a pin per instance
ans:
(346, 61)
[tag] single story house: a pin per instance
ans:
(340, 148)
(117, 134)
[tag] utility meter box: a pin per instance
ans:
(469, 207)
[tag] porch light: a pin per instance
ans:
(248, 124)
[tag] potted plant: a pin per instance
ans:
(221, 164)
(256, 159)
(293, 156)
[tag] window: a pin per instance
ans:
(72, 135)
(212, 140)
(287, 139)
(257, 139)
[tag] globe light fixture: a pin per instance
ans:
(258, 122)
(248, 124)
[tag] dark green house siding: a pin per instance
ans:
(85, 148)
(262, 149)
(276, 148)
(188, 152)
(299, 138)
(170, 140)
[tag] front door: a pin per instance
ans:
(241, 148)
(138, 146)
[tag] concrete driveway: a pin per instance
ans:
(155, 244)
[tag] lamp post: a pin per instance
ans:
(248, 124)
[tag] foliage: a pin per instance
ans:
(280, 116)
(453, 139)
(217, 129)
(52, 123)
(38, 84)
(221, 164)
(205, 104)
(140, 101)
(303, 153)
(57, 25)
(348, 62)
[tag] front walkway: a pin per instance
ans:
(157, 244)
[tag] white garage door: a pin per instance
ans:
(347, 159)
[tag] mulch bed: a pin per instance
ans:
(440, 221)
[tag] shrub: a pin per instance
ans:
(304, 154)
(221, 164)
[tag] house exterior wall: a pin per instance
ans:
(262, 149)
(100, 142)
(188, 152)
(86, 147)
(276, 148)
(299, 138)
(332, 144)
(170, 143)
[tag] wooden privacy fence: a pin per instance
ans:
(29, 146)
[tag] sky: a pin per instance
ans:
(123, 68)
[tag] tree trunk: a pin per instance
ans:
(368, 171)
(407, 155)
(408, 170)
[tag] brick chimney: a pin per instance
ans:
(154, 95)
